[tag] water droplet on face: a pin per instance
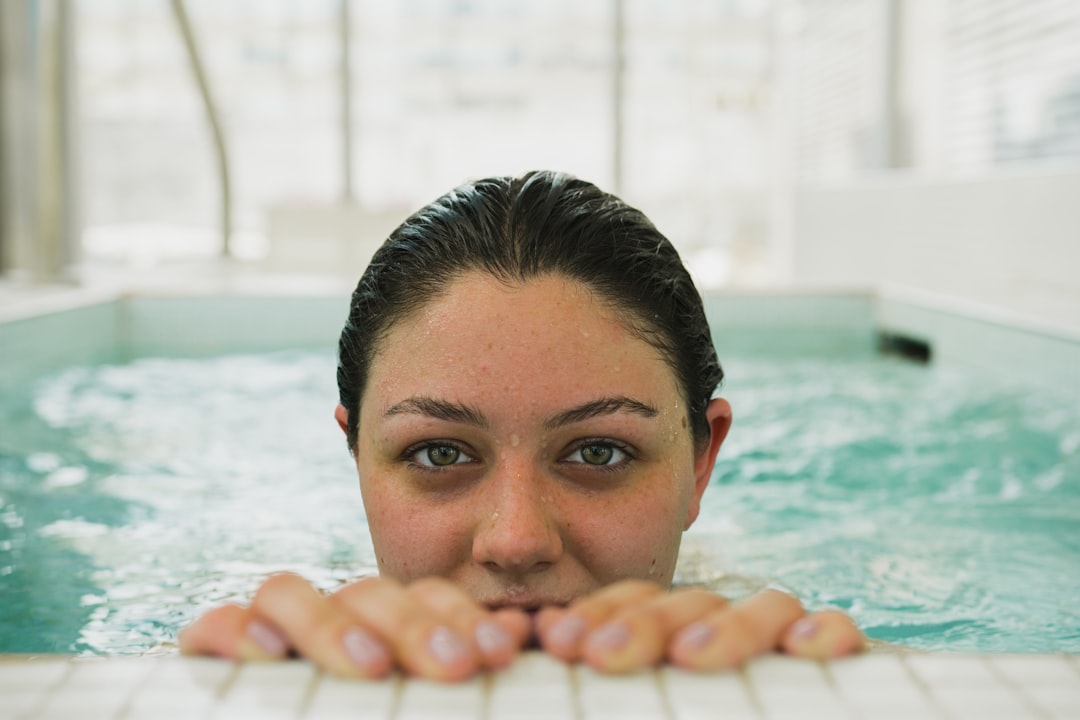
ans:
(514, 440)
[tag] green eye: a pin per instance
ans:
(442, 455)
(600, 454)
(597, 454)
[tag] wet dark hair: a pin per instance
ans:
(516, 229)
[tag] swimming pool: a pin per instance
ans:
(160, 455)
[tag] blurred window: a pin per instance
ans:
(955, 87)
(1012, 83)
(443, 91)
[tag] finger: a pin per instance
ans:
(232, 632)
(562, 632)
(637, 636)
(822, 636)
(516, 622)
(319, 629)
(421, 642)
(496, 637)
(727, 638)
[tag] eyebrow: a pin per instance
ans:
(461, 413)
(596, 408)
(440, 410)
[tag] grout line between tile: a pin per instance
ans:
(830, 682)
(485, 696)
(124, 710)
(399, 691)
(931, 699)
(1005, 679)
(575, 690)
(222, 691)
(662, 689)
(309, 693)
(46, 693)
(751, 692)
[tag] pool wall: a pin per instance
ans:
(120, 328)
(88, 328)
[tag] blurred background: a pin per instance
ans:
(929, 145)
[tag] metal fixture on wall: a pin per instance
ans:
(194, 59)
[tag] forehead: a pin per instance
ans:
(550, 332)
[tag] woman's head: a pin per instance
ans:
(517, 229)
(525, 383)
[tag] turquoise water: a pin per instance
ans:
(941, 510)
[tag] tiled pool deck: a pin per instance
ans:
(905, 685)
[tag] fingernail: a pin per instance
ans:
(492, 639)
(447, 646)
(612, 636)
(267, 639)
(567, 631)
(694, 637)
(804, 629)
(364, 650)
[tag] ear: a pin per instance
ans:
(342, 417)
(718, 415)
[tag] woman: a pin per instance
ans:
(526, 381)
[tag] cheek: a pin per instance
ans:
(634, 536)
(414, 538)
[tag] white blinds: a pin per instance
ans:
(987, 84)
(832, 89)
(1012, 89)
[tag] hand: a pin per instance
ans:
(430, 629)
(634, 624)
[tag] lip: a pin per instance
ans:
(530, 608)
(529, 605)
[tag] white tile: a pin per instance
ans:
(946, 669)
(535, 666)
(159, 706)
(783, 685)
(704, 696)
(1036, 669)
(861, 670)
(535, 686)
(777, 699)
(892, 708)
(182, 675)
(781, 669)
(425, 699)
(32, 674)
(864, 680)
(96, 688)
(266, 690)
(355, 699)
(808, 712)
(982, 701)
(180, 687)
(18, 703)
(624, 697)
(84, 704)
(1059, 701)
(93, 673)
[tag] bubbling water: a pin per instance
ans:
(940, 510)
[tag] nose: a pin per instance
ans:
(517, 532)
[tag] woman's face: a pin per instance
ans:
(520, 442)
